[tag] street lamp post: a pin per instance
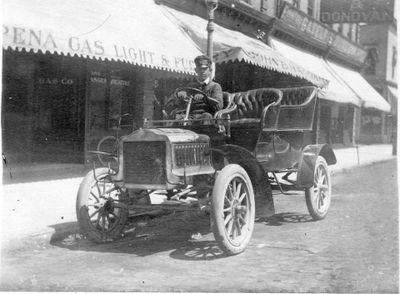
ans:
(211, 7)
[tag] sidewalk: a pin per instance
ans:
(46, 209)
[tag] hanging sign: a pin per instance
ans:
(357, 11)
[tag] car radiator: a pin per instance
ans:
(191, 154)
(144, 162)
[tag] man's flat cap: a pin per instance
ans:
(202, 61)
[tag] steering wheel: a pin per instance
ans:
(194, 101)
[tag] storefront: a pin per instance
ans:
(373, 108)
(322, 50)
(70, 70)
(43, 115)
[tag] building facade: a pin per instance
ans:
(377, 33)
(380, 40)
(67, 76)
(67, 79)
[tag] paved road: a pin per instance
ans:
(355, 249)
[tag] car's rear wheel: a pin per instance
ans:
(101, 207)
(318, 197)
(232, 209)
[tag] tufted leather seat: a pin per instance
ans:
(246, 107)
(296, 95)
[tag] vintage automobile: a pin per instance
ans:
(226, 165)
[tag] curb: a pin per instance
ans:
(350, 168)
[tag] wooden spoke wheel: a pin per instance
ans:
(233, 209)
(318, 197)
(100, 207)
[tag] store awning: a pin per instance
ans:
(230, 45)
(369, 96)
(136, 32)
(336, 90)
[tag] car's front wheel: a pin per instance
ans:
(232, 209)
(101, 207)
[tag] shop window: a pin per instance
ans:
(311, 7)
(371, 122)
(350, 31)
(356, 33)
(59, 98)
(371, 61)
(340, 28)
(43, 111)
(281, 4)
(264, 6)
(325, 124)
(113, 93)
(279, 7)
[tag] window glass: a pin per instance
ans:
(371, 61)
(311, 7)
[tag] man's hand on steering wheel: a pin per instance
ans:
(185, 93)
(193, 100)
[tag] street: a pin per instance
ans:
(355, 249)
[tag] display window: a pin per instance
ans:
(114, 94)
(43, 108)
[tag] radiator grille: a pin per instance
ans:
(191, 154)
(144, 162)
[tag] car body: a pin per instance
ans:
(228, 164)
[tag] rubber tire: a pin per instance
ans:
(85, 225)
(100, 147)
(224, 177)
(316, 213)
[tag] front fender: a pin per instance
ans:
(262, 190)
(308, 158)
(243, 157)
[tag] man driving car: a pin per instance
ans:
(204, 83)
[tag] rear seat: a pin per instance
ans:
(296, 95)
(246, 107)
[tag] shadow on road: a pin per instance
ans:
(187, 234)
(199, 250)
(285, 217)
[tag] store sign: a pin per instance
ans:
(47, 40)
(356, 11)
(315, 30)
(308, 25)
(97, 77)
(344, 45)
(55, 81)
